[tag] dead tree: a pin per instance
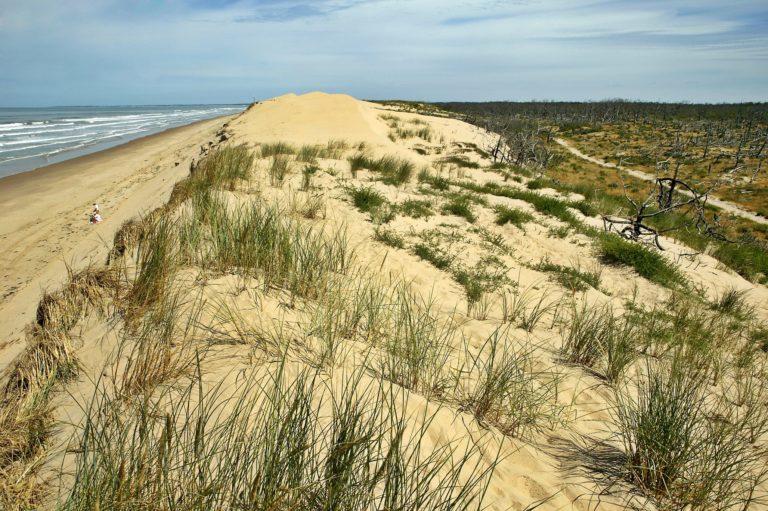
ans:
(668, 195)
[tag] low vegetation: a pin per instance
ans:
(645, 261)
(572, 278)
(516, 217)
(393, 170)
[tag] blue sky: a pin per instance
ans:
(76, 52)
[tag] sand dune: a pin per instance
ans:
(246, 320)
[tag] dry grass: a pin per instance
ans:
(25, 414)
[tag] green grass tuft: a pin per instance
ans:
(516, 217)
(646, 262)
(460, 206)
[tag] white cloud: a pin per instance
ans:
(110, 51)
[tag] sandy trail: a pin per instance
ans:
(44, 225)
(724, 205)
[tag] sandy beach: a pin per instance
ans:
(44, 225)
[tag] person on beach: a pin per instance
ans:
(95, 217)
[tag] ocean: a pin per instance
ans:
(34, 137)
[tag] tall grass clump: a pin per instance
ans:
(333, 149)
(126, 238)
(432, 252)
(265, 242)
(648, 263)
(416, 208)
(437, 182)
(158, 261)
(460, 161)
(747, 259)
(307, 173)
(733, 302)
(678, 452)
(369, 200)
(279, 167)
(223, 168)
(309, 153)
(357, 161)
(394, 170)
(596, 338)
(417, 345)
(270, 443)
(425, 133)
(157, 350)
(275, 149)
(526, 308)
(544, 204)
(26, 413)
(389, 237)
(499, 386)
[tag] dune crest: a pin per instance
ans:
(311, 118)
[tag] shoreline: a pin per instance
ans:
(101, 153)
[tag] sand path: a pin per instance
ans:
(44, 227)
(724, 205)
